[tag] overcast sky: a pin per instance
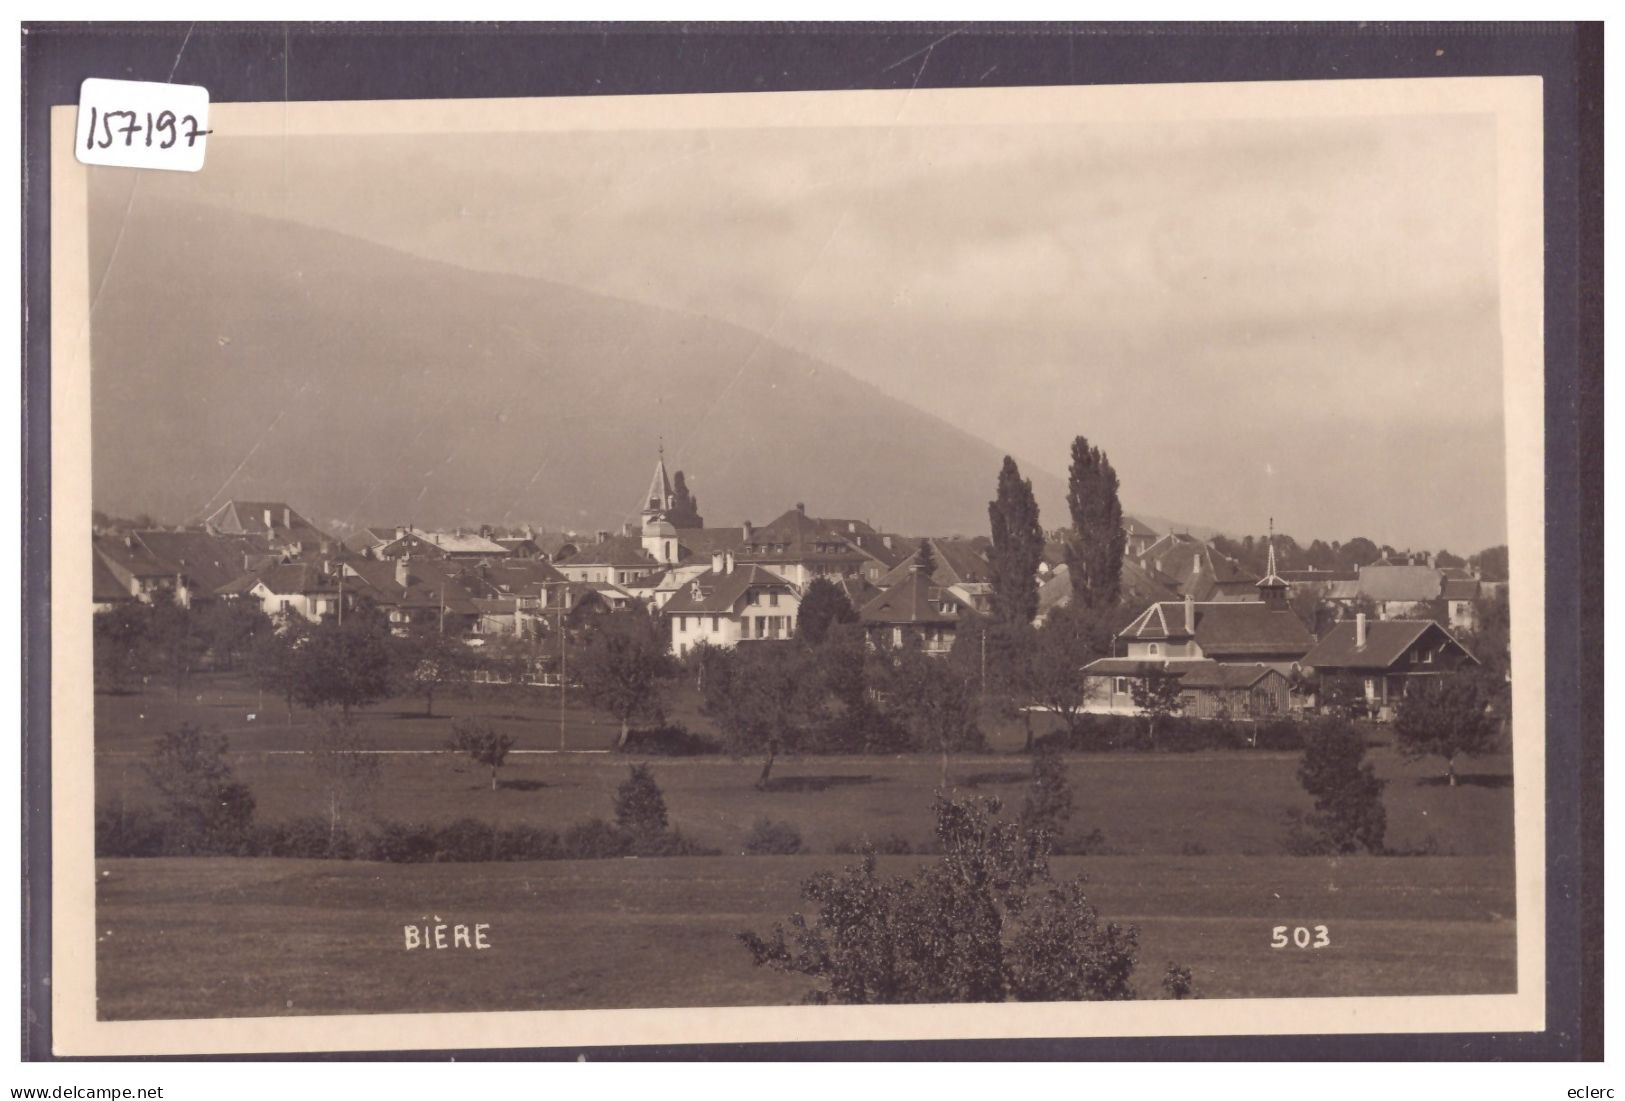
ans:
(1272, 318)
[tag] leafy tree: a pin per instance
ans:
(1358, 552)
(623, 670)
(1095, 553)
(207, 809)
(1445, 560)
(1448, 721)
(1018, 547)
(1343, 698)
(764, 697)
(640, 809)
(1157, 697)
(436, 664)
(1048, 804)
(1307, 604)
(685, 507)
(345, 665)
(985, 923)
(274, 658)
(934, 702)
(173, 640)
(1321, 556)
(480, 743)
(1052, 675)
(120, 649)
(1490, 642)
(823, 605)
(1348, 795)
(345, 769)
(229, 629)
(1492, 563)
(845, 669)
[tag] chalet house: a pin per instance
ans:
(280, 526)
(612, 559)
(1385, 660)
(731, 603)
(1190, 636)
(798, 548)
(916, 611)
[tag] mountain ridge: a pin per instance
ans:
(368, 385)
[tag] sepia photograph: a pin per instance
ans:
(886, 564)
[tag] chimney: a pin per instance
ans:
(1190, 614)
(852, 526)
(886, 539)
(287, 516)
(400, 533)
(403, 570)
(603, 536)
(1196, 565)
(727, 561)
(717, 561)
(626, 528)
(747, 531)
(1359, 631)
(801, 508)
(267, 519)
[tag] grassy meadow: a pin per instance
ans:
(1192, 854)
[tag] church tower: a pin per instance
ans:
(658, 501)
(659, 537)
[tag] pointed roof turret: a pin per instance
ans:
(1272, 586)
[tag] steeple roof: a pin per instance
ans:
(658, 499)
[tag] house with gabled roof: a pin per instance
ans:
(611, 559)
(139, 572)
(798, 548)
(1178, 637)
(1382, 661)
(729, 604)
(274, 521)
(916, 611)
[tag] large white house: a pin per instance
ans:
(729, 604)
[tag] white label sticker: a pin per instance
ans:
(142, 124)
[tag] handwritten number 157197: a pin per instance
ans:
(165, 122)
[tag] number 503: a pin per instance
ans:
(1300, 937)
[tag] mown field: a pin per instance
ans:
(1192, 854)
(222, 937)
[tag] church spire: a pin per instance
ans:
(1272, 587)
(657, 502)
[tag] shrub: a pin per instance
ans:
(594, 839)
(640, 809)
(139, 831)
(307, 839)
(768, 837)
(670, 843)
(1347, 793)
(985, 922)
(398, 843)
(1177, 984)
(670, 740)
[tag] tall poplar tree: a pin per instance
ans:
(1094, 555)
(1018, 547)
